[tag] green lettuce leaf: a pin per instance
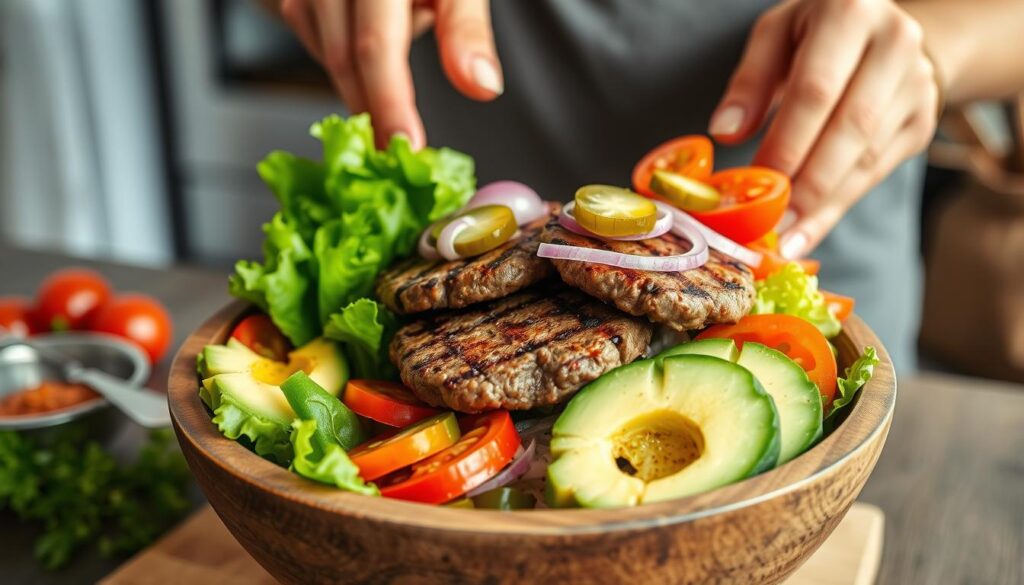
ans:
(268, 438)
(343, 220)
(854, 378)
(364, 329)
(792, 291)
(333, 468)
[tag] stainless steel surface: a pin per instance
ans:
(22, 366)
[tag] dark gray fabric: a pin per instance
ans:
(592, 85)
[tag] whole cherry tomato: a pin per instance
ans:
(69, 298)
(137, 318)
(16, 316)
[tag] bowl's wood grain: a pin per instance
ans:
(759, 530)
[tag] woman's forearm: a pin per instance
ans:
(977, 45)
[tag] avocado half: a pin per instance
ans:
(661, 429)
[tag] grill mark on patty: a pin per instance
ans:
(584, 323)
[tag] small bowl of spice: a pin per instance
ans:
(34, 395)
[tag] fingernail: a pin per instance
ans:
(486, 75)
(727, 121)
(792, 245)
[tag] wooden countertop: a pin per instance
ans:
(951, 478)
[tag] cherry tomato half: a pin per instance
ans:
(840, 305)
(753, 201)
(385, 402)
(258, 333)
(69, 298)
(489, 442)
(793, 336)
(690, 156)
(17, 317)
(382, 455)
(137, 318)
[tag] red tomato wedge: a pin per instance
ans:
(753, 201)
(385, 402)
(382, 455)
(692, 156)
(258, 333)
(489, 442)
(840, 305)
(793, 336)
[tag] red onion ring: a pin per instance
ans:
(513, 471)
(427, 250)
(714, 239)
(524, 202)
(695, 258)
(568, 221)
(446, 240)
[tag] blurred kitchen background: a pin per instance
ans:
(131, 130)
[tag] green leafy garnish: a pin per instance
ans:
(333, 468)
(267, 438)
(792, 291)
(854, 378)
(343, 220)
(81, 495)
(363, 328)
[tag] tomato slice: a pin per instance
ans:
(793, 336)
(258, 333)
(840, 305)
(753, 201)
(690, 156)
(488, 444)
(772, 261)
(385, 402)
(382, 455)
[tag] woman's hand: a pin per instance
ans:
(856, 95)
(364, 46)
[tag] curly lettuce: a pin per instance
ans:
(792, 291)
(333, 467)
(364, 328)
(854, 378)
(343, 219)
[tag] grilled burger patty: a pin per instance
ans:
(721, 291)
(418, 285)
(531, 349)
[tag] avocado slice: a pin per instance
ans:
(659, 429)
(242, 388)
(796, 397)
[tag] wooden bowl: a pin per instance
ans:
(759, 530)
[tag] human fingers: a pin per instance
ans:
(298, 15)
(757, 78)
(870, 100)
(466, 43)
(381, 39)
(334, 22)
(825, 59)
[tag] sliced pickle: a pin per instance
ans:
(683, 192)
(614, 211)
(490, 227)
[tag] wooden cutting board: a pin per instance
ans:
(201, 550)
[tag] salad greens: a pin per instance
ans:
(853, 379)
(80, 495)
(363, 329)
(342, 220)
(792, 291)
(324, 430)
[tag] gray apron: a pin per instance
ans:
(592, 85)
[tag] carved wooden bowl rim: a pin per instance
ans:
(866, 424)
